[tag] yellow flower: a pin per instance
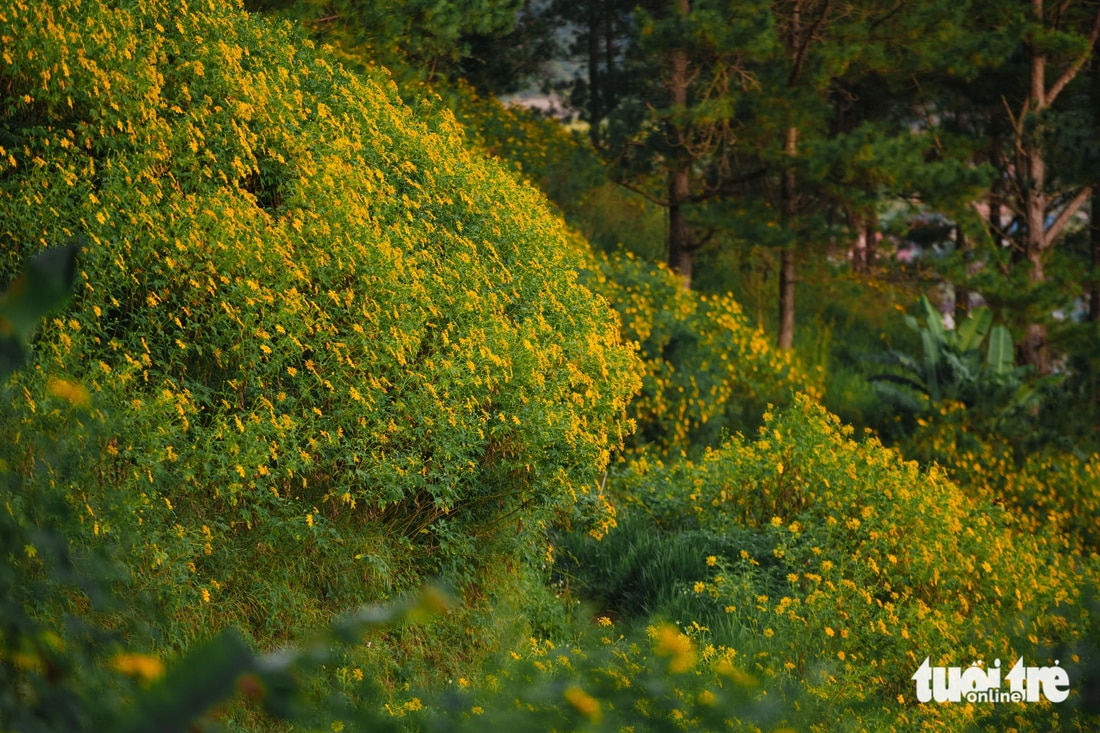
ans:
(671, 643)
(585, 704)
(138, 665)
(72, 392)
(712, 561)
(700, 586)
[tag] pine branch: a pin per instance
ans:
(1072, 71)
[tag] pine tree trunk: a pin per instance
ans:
(788, 194)
(870, 233)
(859, 251)
(1034, 347)
(680, 246)
(785, 339)
(1094, 241)
(962, 292)
(786, 300)
(680, 254)
(595, 108)
(1094, 210)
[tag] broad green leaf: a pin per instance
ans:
(972, 330)
(934, 320)
(44, 286)
(999, 357)
(931, 363)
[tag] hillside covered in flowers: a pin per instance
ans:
(337, 417)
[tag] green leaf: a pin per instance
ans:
(999, 357)
(934, 342)
(934, 320)
(44, 286)
(896, 379)
(931, 363)
(963, 372)
(204, 678)
(972, 330)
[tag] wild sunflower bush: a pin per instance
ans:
(334, 350)
(840, 567)
(707, 368)
(1044, 488)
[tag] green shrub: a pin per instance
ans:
(707, 369)
(333, 352)
(973, 364)
(1048, 488)
(61, 676)
(842, 566)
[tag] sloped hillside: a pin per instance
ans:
(327, 348)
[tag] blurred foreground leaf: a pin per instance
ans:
(44, 286)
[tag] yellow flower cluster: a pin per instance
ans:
(872, 563)
(706, 366)
(306, 307)
(1044, 490)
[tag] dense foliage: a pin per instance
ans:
(833, 567)
(325, 344)
(329, 351)
(708, 370)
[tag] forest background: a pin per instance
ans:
(343, 324)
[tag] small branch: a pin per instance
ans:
(1073, 70)
(725, 185)
(804, 45)
(701, 242)
(327, 19)
(890, 14)
(644, 194)
(1063, 218)
(1014, 120)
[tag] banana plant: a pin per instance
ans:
(973, 364)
